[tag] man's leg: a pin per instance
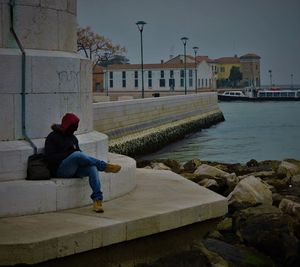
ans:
(94, 180)
(70, 165)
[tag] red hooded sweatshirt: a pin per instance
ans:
(67, 120)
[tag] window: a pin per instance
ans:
(111, 79)
(171, 73)
(172, 84)
(182, 73)
(162, 74)
(149, 83)
(191, 73)
(123, 79)
(181, 82)
(136, 80)
(97, 87)
(202, 82)
(205, 82)
(162, 83)
(190, 82)
(149, 74)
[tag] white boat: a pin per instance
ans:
(259, 94)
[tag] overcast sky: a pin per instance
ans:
(269, 28)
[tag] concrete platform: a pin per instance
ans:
(162, 200)
(23, 197)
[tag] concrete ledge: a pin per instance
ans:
(23, 197)
(14, 154)
(161, 201)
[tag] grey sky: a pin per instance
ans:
(269, 28)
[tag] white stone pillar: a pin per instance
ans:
(58, 80)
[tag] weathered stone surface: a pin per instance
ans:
(211, 171)
(249, 192)
(192, 165)
(237, 256)
(287, 169)
(159, 166)
(290, 207)
(270, 231)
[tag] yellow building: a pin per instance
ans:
(225, 64)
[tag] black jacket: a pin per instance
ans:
(58, 146)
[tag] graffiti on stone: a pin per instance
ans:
(68, 81)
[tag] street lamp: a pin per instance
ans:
(140, 25)
(105, 60)
(292, 84)
(195, 48)
(270, 72)
(184, 41)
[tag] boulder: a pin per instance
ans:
(173, 164)
(159, 166)
(250, 191)
(287, 169)
(205, 169)
(252, 163)
(295, 180)
(235, 255)
(191, 165)
(270, 231)
(290, 207)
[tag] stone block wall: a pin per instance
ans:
(40, 24)
(122, 117)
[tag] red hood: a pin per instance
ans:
(67, 120)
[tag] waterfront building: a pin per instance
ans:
(159, 77)
(250, 67)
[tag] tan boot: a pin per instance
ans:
(97, 206)
(112, 168)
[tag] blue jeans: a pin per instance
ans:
(79, 164)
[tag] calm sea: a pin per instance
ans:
(261, 131)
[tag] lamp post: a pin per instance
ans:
(184, 41)
(270, 72)
(140, 25)
(105, 59)
(195, 48)
(292, 83)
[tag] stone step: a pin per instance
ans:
(161, 201)
(21, 197)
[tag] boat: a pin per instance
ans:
(261, 94)
(232, 95)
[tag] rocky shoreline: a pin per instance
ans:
(262, 227)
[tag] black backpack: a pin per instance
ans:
(37, 168)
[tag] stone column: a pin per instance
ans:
(57, 80)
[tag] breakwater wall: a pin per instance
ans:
(142, 126)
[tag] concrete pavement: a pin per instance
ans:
(162, 200)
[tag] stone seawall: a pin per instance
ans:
(155, 138)
(140, 126)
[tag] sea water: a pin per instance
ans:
(261, 131)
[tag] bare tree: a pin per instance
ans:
(97, 47)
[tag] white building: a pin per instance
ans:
(158, 77)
